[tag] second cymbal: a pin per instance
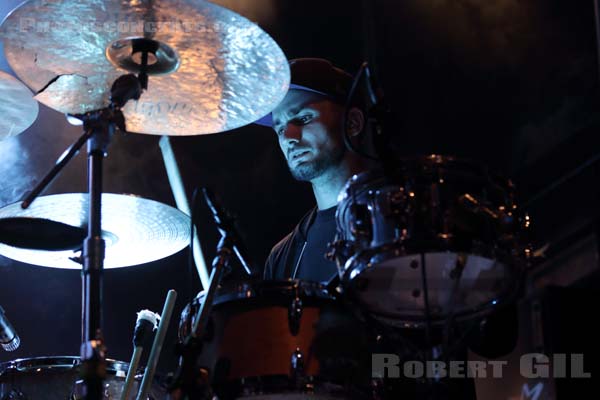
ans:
(136, 230)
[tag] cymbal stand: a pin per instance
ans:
(99, 128)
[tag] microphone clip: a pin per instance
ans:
(230, 237)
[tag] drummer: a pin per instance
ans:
(309, 127)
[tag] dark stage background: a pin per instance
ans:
(508, 83)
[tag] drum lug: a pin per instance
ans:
(15, 395)
(377, 389)
(295, 315)
(297, 366)
(361, 228)
(339, 252)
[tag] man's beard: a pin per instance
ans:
(316, 167)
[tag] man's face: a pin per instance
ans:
(309, 129)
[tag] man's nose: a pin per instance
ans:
(292, 133)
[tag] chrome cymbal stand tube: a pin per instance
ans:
(102, 124)
(99, 128)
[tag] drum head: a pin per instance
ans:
(459, 285)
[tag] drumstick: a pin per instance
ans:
(157, 345)
(182, 204)
(146, 322)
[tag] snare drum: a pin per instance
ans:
(282, 340)
(440, 224)
(57, 378)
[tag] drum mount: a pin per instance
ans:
(187, 380)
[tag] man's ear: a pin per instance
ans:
(355, 122)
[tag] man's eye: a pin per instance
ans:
(304, 119)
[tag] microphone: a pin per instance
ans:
(9, 339)
(146, 323)
(225, 224)
(379, 117)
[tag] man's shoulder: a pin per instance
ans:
(281, 252)
(299, 230)
(279, 246)
(277, 257)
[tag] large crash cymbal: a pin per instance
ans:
(136, 230)
(213, 71)
(18, 109)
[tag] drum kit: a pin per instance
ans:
(440, 241)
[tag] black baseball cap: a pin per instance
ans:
(317, 75)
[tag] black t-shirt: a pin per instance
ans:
(313, 266)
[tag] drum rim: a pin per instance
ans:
(310, 385)
(55, 362)
(407, 165)
(255, 289)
